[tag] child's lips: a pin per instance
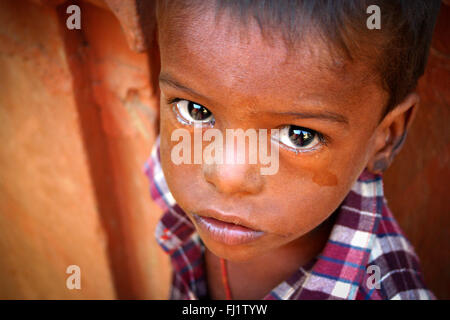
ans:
(226, 232)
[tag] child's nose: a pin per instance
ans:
(234, 178)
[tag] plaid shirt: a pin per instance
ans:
(364, 234)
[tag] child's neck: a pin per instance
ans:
(255, 278)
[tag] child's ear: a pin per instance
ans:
(391, 133)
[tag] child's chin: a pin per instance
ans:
(235, 253)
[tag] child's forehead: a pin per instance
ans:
(212, 35)
(219, 53)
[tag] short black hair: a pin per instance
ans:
(398, 50)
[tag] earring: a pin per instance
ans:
(380, 165)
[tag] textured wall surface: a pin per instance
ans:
(77, 116)
(49, 217)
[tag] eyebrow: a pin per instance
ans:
(321, 115)
(167, 79)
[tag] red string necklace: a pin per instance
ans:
(225, 281)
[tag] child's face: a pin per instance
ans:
(246, 82)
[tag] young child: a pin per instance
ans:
(341, 95)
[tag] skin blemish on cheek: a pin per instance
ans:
(325, 178)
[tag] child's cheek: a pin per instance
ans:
(314, 185)
(336, 166)
(181, 178)
(316, 166)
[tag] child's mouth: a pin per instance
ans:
(225, 232)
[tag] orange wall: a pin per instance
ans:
(49, 217)
(77, 122)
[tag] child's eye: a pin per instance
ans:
(193, 113)
(299, 139)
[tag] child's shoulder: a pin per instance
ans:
(377, 245)
(393, 269)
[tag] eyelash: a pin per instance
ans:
(323, 139)
(182, 119)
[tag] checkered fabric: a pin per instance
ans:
(365, 237)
